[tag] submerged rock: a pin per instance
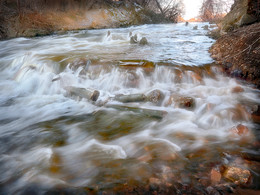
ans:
(130, 98)
(237, 89)
(241, 130)
(195, 28)
(237, 175)
(159, 114)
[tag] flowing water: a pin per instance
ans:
(52, 138)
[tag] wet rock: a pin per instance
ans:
(154, 181)
(101, 103)
(206, 27)
(213, 26)
(147, 66)
(178, 75)
(237, 175)
(57, 78)
(241, 130)
(162, 151)
(159, 114)
(242, 134)
(214, 34)
(195, 28)
(186, 23)
(252, 155)
(81, 62)
(213, 191)
(108, 33)
(236, 73)
(130, 98)
(55, 164)
(89, 94)
(133, 39)
(224, 188)
(256, 115)
(239, 113)
(181, 101)
(215, 176)
(194, 76)
(156, 96)
(143, 41)
(133, 80)
(247, 19)
(145, 158)
(237, 89)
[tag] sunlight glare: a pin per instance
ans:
(192, 8)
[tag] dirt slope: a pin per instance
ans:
(239, 53)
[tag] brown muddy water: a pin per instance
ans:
(88, 112)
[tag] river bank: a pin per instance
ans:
(31, 22)
(238, 52)
(237, 49)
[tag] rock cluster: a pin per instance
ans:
(134, 40)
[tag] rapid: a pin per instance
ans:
(163, 116)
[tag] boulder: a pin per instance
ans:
(195, 28)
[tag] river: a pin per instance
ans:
(164, 115)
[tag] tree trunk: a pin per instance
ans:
(159, 6)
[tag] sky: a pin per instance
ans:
(192, 8)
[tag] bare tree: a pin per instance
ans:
(169, 9)
(212, 10)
